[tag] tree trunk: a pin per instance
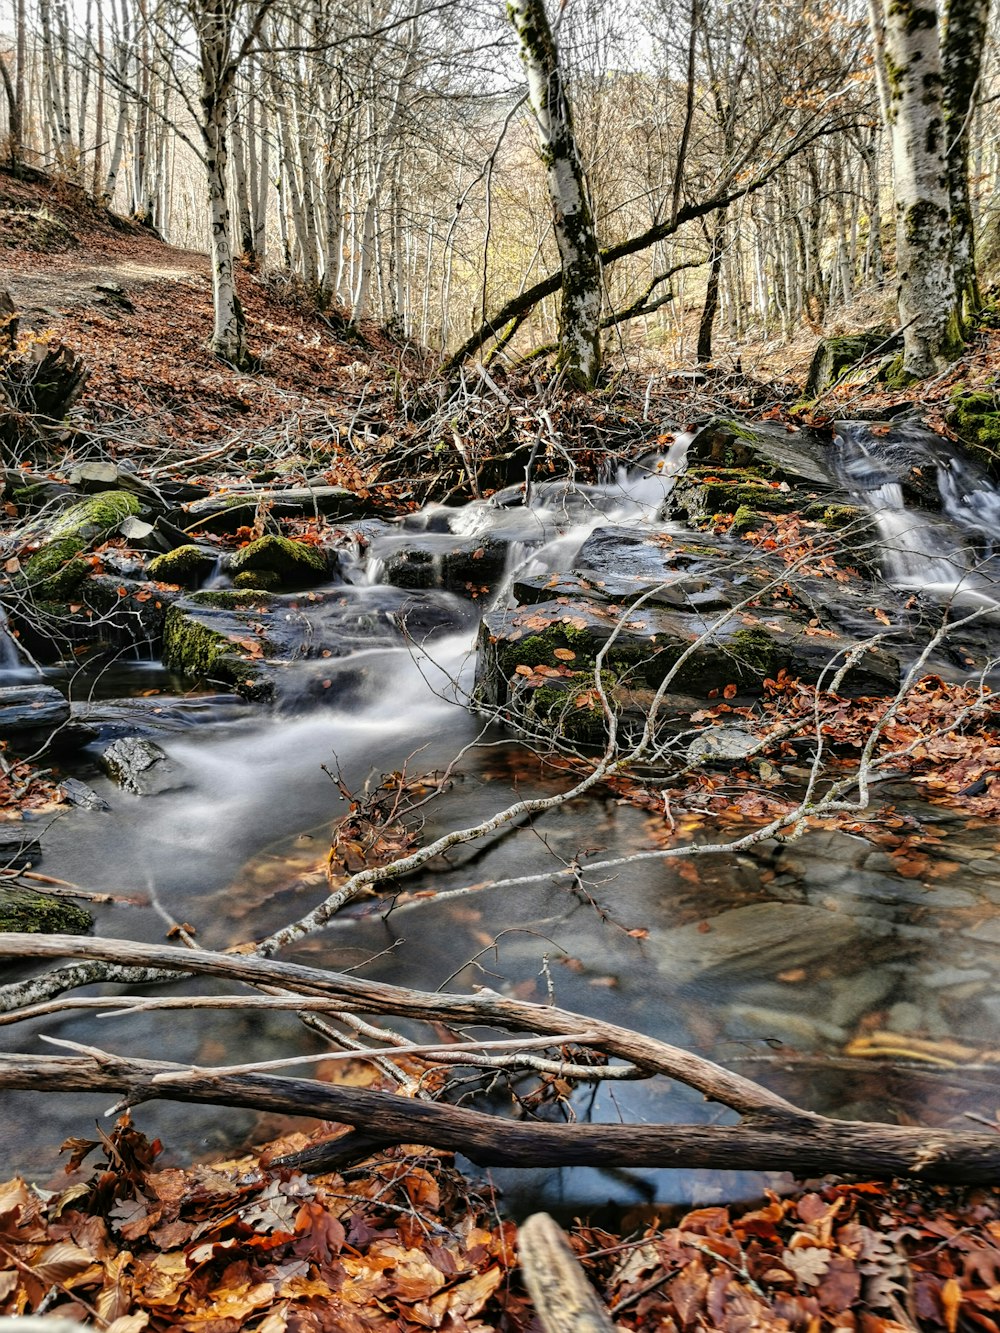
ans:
(228, 333)
(907, 30)
(580, 303)
(963, 43)
(710, 309)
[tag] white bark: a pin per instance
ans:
(907, 32)
(580, 307)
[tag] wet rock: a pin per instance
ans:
(247, 638)
(31, 708)
(19, 846)
(79, 794)
(553, 648)
(467, 565)
(218, 636)
(160, 715)
(764, 450)
(29, 913)
(139, 766)
(188, 566)
(757, 940)
(124, 612)
(236, 509)
(294, 563)
(782, 1025)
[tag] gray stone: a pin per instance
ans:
(79, 794)
(31, 708)
(721, 743)
(798, 1029)
(860, 994)
(139, 766)
(757, 940)
(947, 978)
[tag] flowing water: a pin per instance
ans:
(773, 961)
(946, 553)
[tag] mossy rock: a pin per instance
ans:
(835, 356)
(266, 580)
(703, 494)
(187, 566)
(55, 571)
(294, 563)
(745, 520)
(203, 639)
(28, 913)
(975, 419)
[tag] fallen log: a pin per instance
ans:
(774, 1135)
(807, 1146)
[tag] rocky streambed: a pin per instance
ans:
(362, 644)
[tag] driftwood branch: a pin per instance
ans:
(803, 1144)
(774, 1134)
(564, 1299)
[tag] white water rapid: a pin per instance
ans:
(947, 554)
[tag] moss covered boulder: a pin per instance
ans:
(28, 913)
(57, 568)
(835, 357)
(294, 564)
(704, 494)
(975, 419)
(219, 636)
(187, 566)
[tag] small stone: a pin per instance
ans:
(79, 794)
(139, 766)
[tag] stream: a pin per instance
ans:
(773, 961)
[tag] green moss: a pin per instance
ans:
(975, 419)
(187, 566)
(745, 519)
(36, 913)
(54, 572)
(293, 562)
(894, 376)
(266, 580)
(231, 599)
(96, 516)
(756, 653)
(199, 650)
(835, 517)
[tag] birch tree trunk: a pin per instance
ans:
(907, 34)
(229, 330)
(963, 43)
(580, 300)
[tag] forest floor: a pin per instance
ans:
(405, 1242)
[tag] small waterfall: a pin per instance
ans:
(218, 578)
(948, 554)
(12, 665)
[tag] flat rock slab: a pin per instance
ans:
(19, 845)
(758, 940)
(238, 509)
(31, 708)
